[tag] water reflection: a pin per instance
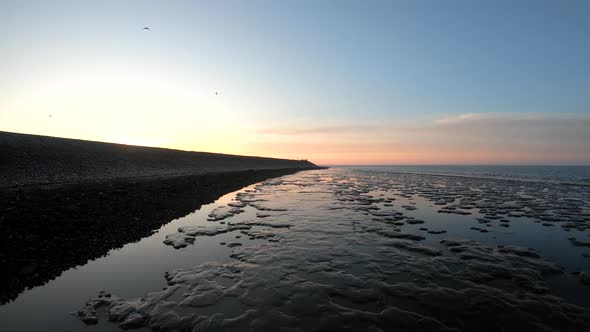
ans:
(359, 252)
(44, 232)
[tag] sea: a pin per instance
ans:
(561, 174)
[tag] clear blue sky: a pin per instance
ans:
(348, 68)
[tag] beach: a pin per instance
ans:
(296, 247)
(348, 249)
(294, 166)
(65, 202)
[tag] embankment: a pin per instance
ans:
(64, 202)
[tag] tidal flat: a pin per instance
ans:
(342, 249)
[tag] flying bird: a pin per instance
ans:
(148, 29)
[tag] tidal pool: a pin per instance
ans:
(342, 249)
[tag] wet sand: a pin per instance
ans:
(365, 251)
(65, 202)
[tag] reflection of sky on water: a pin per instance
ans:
(551, 241)
(129, 271)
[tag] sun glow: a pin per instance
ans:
(127, 106)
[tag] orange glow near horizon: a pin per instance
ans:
(424, 157)
(466, 140)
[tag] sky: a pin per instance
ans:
(335, 82)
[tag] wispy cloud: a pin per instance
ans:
(464, 138)
(331, 129)
(468, 118)
(460, 118)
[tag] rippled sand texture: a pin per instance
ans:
(380, 252)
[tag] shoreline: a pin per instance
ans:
(67, 201)
(45, 231)
(43, 161)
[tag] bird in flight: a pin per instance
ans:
(148, 29)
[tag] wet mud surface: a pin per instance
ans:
(368, 251)
(342, 249)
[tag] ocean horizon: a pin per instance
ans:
(556, 173)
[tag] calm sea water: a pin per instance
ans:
(567, 174)
(349, 243)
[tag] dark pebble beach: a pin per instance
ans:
(64, 202)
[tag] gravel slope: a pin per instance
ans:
(41, 160)
(64, 202)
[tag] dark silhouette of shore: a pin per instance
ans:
(65, 202)
(32, 160)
